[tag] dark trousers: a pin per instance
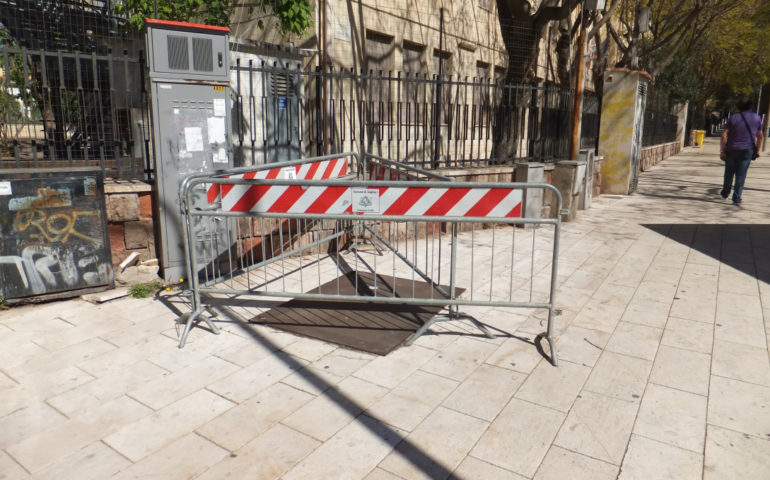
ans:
(736, 165)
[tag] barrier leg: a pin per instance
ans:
(452, 315)
(482, 328)
(548, 334)
(424, 328)
(190, 319)
(552, 346)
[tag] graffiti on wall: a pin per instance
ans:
(52, 236)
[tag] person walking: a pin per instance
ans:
(740, 144)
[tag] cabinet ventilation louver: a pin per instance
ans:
(178, 57)
(202, 55)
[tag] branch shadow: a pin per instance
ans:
(743, 247)
(397, 440)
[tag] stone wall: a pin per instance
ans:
(655, 154)
(130, 220)
(597, 173)
(503, 173)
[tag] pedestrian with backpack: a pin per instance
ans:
(740, 144)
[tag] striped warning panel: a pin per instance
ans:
(401, 201)
(321, 170)
(382, 172)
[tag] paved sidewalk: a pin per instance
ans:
(663, 373)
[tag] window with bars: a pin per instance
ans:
(379, 51)
(413, 100)
(379, 60)
(499, 74)
(481, 90)
(442, 63)
(438, 57)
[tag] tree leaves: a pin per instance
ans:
(294, 16)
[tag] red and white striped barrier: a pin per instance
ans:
(406, 201)
(381, 172)
(323, 170)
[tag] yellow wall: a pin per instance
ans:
(616, 134)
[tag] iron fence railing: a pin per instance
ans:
(590, 120)
(61, 109)
(660, 124)
(287, 112)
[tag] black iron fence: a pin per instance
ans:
(285, 112)
(590, 120)
(60, 109)
(660, 124)
(73, 109)
(71, 87)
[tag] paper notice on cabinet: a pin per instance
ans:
(216, 127)
(219, 107)
(220, 156)
(193, 139)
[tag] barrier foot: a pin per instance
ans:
(424, 328)
(453, 315)
(482, 328)
(210, 324)
(551, 346)
(190, 319)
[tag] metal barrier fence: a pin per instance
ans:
(273, 232)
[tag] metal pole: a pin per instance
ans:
(577, 109)
(437, 121)
(635, 39)
(766, 127)
(325, 67)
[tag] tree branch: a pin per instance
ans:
(606, 16)
(548, 14)
(516, 8)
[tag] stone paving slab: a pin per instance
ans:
(664, 371)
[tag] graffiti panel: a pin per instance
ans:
(53, 232)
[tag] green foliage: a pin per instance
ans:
(294, 16)
(679, 81)
(712, 61)
(10, 110)
(3, 306)
(732, 58)
(216, 12)
(144, 290)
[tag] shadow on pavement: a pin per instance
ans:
(744, 247)
(431, 467)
